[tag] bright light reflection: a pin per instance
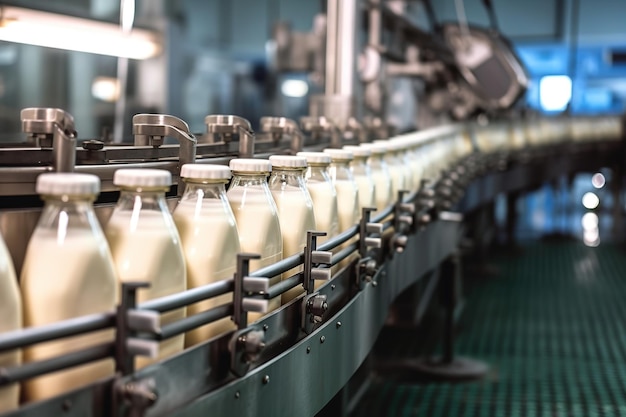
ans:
(106, 89)
(598, 180)
(589, 221)
(591, 243)
(294, 88)
(590, 200)
(555, 92)
(591, 235)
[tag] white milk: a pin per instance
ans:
(295, 213)
(259, 232)
(347, 204)
(397, 179)
(367, 195)
(325, 208)
(382, 182)
(11, 314)
(63, 277)
(210, 243)
(144, 249)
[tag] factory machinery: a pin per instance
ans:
(295, 359)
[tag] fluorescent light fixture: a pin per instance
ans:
(294, 88)
(52, 30)
(555, 92)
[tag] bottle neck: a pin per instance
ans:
(340, 170)
(317, 172)
(359, 166)
(63, 213)
(249, 179)
(282, 177)
(142, 199)
(204, 190)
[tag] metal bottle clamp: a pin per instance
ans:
(50, 127)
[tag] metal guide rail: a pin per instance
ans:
(293, 361)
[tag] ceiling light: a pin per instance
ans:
(52, 30)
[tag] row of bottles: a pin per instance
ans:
(73, 267)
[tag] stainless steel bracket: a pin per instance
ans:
(314, 304)
(134, 398)
(227, 126)
(319, 126)
(369, 238)
(403, 222)
(280, 126)
(245, 347)
(151, 129)
(52, 128)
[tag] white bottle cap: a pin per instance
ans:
(288, 161)
(68, 184)
(377, 148)
(339, 154)
(205, 172)
(142, 178)
(315, 157)
(250, 165)
(358, 150)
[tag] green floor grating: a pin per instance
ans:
(552, 326)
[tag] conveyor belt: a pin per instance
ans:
(552, 326)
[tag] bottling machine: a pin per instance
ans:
(296, 359)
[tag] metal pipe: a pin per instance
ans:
(69, 360)
(195, 321)
(344, 253)
(64, 150)
(339, 239)
(284, 286)
(185, 298)
(279, 267)
(58, 330)
(340, 47)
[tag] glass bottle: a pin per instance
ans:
(209, 238)
(345, 186)
(403, 156)
(146, 246)
(295, 209)
(381, 175)
(396, 170)
(322, 193)
(11, 313)
(256, 215)
(363, 175)
(68, 272)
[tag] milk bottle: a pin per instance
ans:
(380, 174)
(67, 273)
(403, 155)
(145, 245)
(415, 161)
(257, 217)
(396, 170)
(323, 194)
(11, 319)
(295, 209)
(209, 238)
(363, 175)
(345, 186)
